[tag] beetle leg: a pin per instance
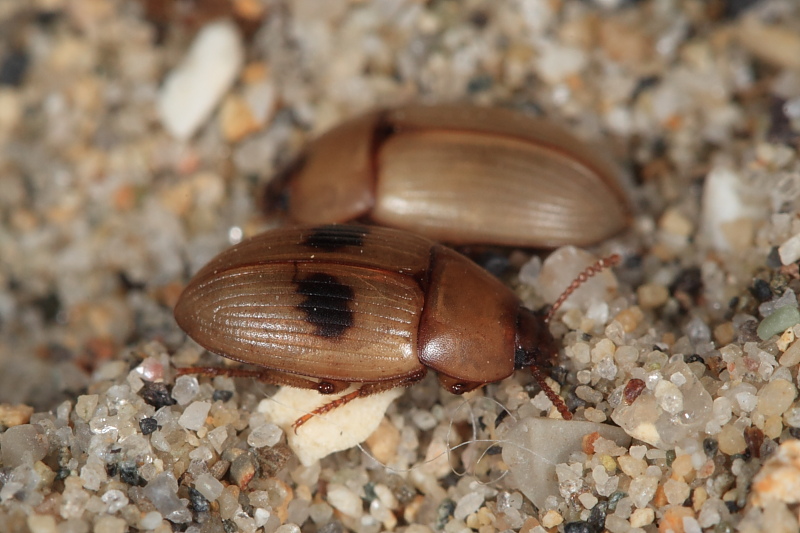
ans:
(265, 375)
(551, 395)
(365, 390)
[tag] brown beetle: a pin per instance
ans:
(322, 307)
(457, 174)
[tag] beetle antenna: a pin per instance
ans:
(592, 270)
(550, 393)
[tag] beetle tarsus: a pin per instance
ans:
(330, 406)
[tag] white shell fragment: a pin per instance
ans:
(534, 447)
(193, 89)
(339, 429)
(723, 203)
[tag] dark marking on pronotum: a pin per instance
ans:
(327, 304)
(332, 237)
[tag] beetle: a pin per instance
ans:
(322, 307)
(526, 181)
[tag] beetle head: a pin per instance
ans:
(535, 345)
(276, 196)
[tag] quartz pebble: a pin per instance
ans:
(775, 397)
(559, 270)
(23, 444)
(194, 416)
(208, 487)
(344, 500)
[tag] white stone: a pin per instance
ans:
(338, 429)
(208, 486)
(344, 500)
(723, 202)
(789, 251)
(266, 435)
(194, 88)
(151, 520)
(194, 416)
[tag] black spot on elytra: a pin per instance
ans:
(332, 237)
(327, 304)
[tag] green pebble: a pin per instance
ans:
(778, 322)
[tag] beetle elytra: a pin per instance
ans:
(457, 174)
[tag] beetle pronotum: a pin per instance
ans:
(457, 174)
(323, 307)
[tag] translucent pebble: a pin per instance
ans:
(344, 500)
(697, 330)
(669, 396)
(541, 402)
(598, 312)
(676, 491)
(245, 522)
(552, 519)
(162, 491)
(791, 356)
(615, 524)
(642, 489)
(467, 505)
(288, 528)
(115, 499)
(588, 500)
(42, 523)
(151, 520)
(298, 511)
(602, 350)
(208, 486)
(792, 417)
(638, 452)
(185, 389)
(678, 379)
(775, 397)
(599, 474)
(26, 443)
(642, 517)
(731, 440)
(110, 524)
(93, 473)
(261, 516)
(423, 419)
(74, 498)
(320, 513)
(194, 416)
(690, 525)
(217, 437)
(653, 471)
(266, 435)
(747, 401)
(561, 267)
(626, 356)
(722, 410)
(606, 369)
